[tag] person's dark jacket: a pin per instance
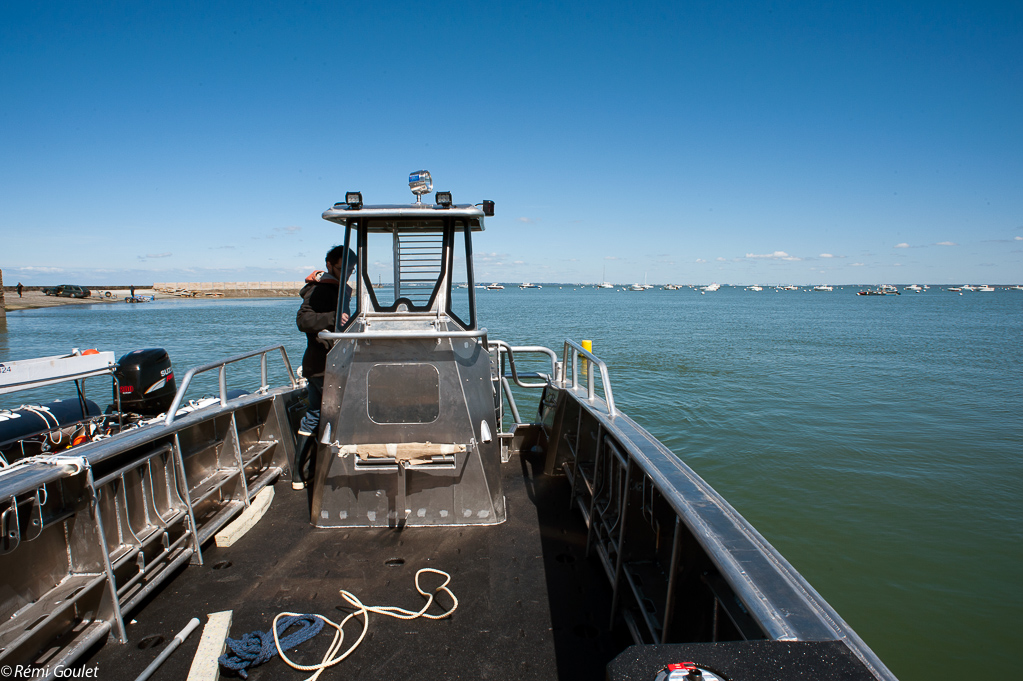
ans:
(317, 313)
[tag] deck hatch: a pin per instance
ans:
(406, 392)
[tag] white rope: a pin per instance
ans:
(77, 463)
(43, 413)
(329, 659)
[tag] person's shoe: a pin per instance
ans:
(304, 433)
(297, 485)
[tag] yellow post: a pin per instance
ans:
(588, 347)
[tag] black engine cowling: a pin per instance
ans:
(147, 382)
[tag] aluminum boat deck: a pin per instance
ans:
(528, 606)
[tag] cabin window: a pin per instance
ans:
(379, 274)
(404, 262)
(461, 302)
(403, 393)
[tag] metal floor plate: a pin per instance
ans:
(529, 608)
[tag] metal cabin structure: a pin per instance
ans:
(408, 434)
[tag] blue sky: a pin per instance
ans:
(681, 142)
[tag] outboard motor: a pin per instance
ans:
(147, 382)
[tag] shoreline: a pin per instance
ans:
(34, 300)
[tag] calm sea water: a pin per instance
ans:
(876, 442)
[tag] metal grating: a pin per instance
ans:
(420, 257)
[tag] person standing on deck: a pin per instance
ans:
(319, 313)
(20, 289)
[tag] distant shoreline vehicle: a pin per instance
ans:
(67, 291)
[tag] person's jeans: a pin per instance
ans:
(314, 393)
(305, 456)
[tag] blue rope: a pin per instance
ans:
(257, 647)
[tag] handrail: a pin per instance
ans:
(400, 335)
(222, 365)
(511, 350)
(605, 380)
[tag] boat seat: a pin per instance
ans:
(410, 453)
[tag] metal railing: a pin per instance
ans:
(576, 350)
(510, 351)
(401, 335)
(505, 350)
(222, 366)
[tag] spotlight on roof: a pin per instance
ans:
(354, 199)
(420, 183)
(488, 208)
(444, 199)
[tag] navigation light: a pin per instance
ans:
(488, 208)
(444, 199)
(420, 183)
(354, 200)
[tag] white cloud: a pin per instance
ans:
(777, 255)
(40, 269)
(826, 255)
(1017, 238)
(151, 256)
(902, 245)
(528, 219)
(946, 243)
(700, 260)
(857, 264)
(611, 257)
(721, 259)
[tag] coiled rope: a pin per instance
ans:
(333, 654)
(257, 647)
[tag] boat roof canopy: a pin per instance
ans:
(413, 216)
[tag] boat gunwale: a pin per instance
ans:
(721, 549)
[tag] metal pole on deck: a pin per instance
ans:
(171, 647)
